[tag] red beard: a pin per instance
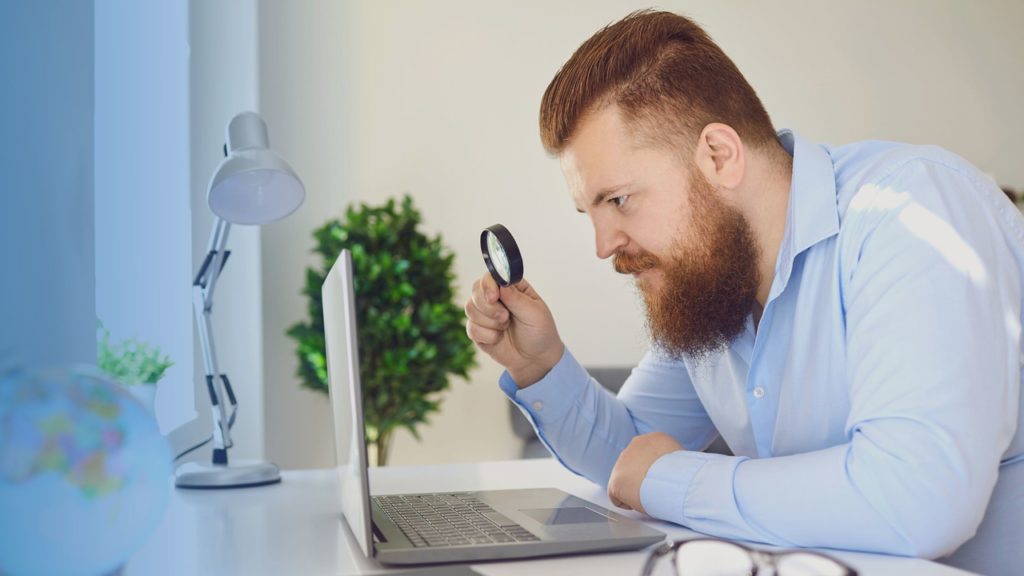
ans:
(708, 288)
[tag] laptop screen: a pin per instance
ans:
(345, 390)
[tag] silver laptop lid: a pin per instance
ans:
(345, 389)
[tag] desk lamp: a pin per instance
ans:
(252, 186)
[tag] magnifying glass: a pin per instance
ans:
(501, 254)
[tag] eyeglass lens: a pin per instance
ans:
(720, 558)
(712, 558)
(811, 564)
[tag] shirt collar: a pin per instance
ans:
(812, 215)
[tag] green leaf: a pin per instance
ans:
(130, 362)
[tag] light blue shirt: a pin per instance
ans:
(877, 404)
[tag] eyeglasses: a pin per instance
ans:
(710, 557)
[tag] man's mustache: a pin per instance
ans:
(625, 263)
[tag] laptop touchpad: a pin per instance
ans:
(571, 515)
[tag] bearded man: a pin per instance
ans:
(848, 319)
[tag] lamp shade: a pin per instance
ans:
(253, 185)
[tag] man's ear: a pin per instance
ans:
(720, 155)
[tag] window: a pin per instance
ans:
(143, 225)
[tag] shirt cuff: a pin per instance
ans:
(672, 478)
(550, 398)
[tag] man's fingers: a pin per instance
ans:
(477, 316)
(613, 486)
(485, 300)
(618, 503)
(488, 288)
(482, 335)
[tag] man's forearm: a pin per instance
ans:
(580, 422)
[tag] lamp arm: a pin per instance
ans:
(202, 303)
(215, 260)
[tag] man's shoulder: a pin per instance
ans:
(881, 163)
(876, 178)
(888, 191)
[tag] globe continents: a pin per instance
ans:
(84, 474)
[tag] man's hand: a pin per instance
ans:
(632, 466)
(514, 326)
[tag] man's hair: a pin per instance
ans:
(667, 77)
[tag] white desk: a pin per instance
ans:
(294, 527)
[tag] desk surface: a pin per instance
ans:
(294, 527)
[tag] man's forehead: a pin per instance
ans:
(590, 183)
(594, 162)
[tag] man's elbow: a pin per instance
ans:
(926, 534)
(927, 519)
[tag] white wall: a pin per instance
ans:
(305, 98)
(440, 99)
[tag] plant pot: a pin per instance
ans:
(145, 394)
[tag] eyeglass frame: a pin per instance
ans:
(760, 558)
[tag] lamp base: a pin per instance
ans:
(206, 476)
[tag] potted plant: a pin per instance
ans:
(133, 364)
(412, 335)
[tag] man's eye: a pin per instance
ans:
(620, 201)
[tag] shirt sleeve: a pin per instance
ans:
(586, 427)
(932, 297)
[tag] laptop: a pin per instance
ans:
(452, 526)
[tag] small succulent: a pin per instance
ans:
(130, 362)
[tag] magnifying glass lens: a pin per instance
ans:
(498, 258)
(501, 255)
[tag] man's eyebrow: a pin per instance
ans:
(604, 193)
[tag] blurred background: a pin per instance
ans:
(374, 99)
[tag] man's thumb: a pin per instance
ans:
(513, 299)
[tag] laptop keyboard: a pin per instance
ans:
(450, 520)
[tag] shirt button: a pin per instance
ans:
(759, 392)
(538, 405)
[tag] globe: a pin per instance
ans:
(84, 474)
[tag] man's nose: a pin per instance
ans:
(608, 239)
